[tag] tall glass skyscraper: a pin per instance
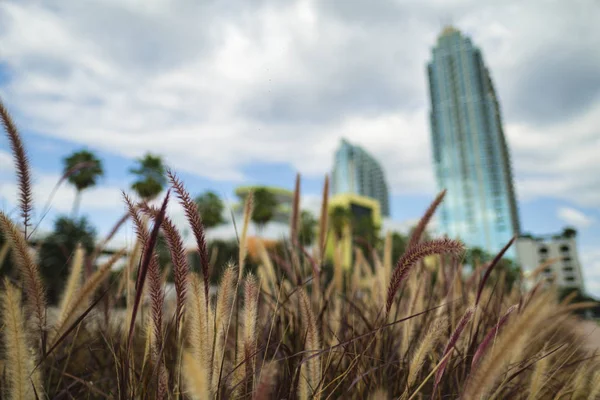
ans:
(469, 149)
(356, 171)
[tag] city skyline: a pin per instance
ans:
(252, 95)
(358, 172)
(471, 158)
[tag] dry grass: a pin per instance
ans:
(375, 331)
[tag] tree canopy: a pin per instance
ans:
(211, 209)
(151, 180)
(57, 249)
(265, 203)
(82, 169)
(308, 225)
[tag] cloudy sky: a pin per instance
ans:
(233, 92)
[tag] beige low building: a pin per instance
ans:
(565, 271)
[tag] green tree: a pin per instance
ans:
(83, 169)
(569, 232)
(265, 204)
(364, 232)
(151, 180)
(338, 217)
(224, 252)
(57, 249)
(399, 242)
(308, 225)
(211, 209)
(476, 255)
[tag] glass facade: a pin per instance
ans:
(355, 171)
(469, 149)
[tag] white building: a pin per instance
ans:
(566, 271)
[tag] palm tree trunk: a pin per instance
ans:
(76, 204)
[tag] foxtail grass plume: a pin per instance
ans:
(413, 255)
(415, 238)
(251, 291)
(21, 167)
(178, 258)
(538, 378)
(199, 327)
(490, 337)
(24, 381)
(223, 312)
(73, 283)
(145, 265)
(434, 333)
(313, 343)
(452, 342)
(195, 376)
(28, 271)
(324, 220)
(195, 220)
(3, 253)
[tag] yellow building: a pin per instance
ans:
(357, 207)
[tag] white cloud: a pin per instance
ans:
(574, 217)
(97, 198)
(216, 89)
(557, 161)
(6, 161)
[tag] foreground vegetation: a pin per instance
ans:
(296, 328)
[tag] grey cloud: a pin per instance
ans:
(366, 13)
(359, 89)
(160, 41)
(369, 72)
(559, 85)
(402, 15)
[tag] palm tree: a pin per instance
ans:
(151, 179)
(211, 208)
(265, 204)
(82, 169)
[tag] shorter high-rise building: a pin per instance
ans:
(564, 271)
(356, 172)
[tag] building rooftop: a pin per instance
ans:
(448, 30)
(566, 233)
